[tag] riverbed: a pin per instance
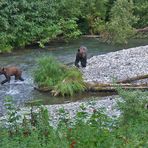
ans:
(22, 92)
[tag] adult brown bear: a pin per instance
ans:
(11, 71)
(81, 57)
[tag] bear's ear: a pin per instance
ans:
(3, 69)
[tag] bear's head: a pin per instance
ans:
(82, 51)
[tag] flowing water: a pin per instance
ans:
(22, 92)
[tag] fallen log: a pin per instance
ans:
(113, 87)
(99, 87)
(128, 80)
(142, 29)
(91, 36)
(42, 89)
(108, 87)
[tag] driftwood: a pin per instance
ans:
(42, 89)
(108, 87)
(91, 36)
(142, 29)
(125, 84)
(128, 80)
(112, 87)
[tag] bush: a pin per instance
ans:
(59, 78)
(133, 105)
(120, 26)
(25, 22)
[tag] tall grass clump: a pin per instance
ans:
(57, 77)
(48, 72)
(71, 83)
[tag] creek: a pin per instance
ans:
(23, 92)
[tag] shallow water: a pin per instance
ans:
(24, 91)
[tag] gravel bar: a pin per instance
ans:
(119, 65)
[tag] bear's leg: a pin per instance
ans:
(77, 60)
(21, 79)
(18, 78)
(6, 80)
(83, 62)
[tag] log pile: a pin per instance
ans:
(108, 87)
(124, 84)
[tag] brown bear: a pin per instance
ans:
(11, 71)
(81, 56)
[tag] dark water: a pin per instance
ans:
(21, 92)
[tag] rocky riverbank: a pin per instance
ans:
(71, 109)
(102, 69)
(119, 65)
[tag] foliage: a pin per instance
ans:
(141, 11)
(48, 72)
(133, 120)
(57, 77)
(25, 22)
(133, 105)
(94, 13)
(86, 130)
(69, 29)
(121, 21)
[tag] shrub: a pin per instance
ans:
(133, 105)
(120, 26)
(25, 22)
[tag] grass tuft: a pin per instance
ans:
(59, 78)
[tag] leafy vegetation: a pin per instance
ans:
(121, 21)
(58, 78)
(95, 130)
(141, 10)
(25, 22)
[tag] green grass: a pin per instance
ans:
(71, 83)
(59, 78)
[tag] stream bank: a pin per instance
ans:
(23, 92)
(121, 64)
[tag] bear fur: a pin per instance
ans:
(11, 71)
(81, 56)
